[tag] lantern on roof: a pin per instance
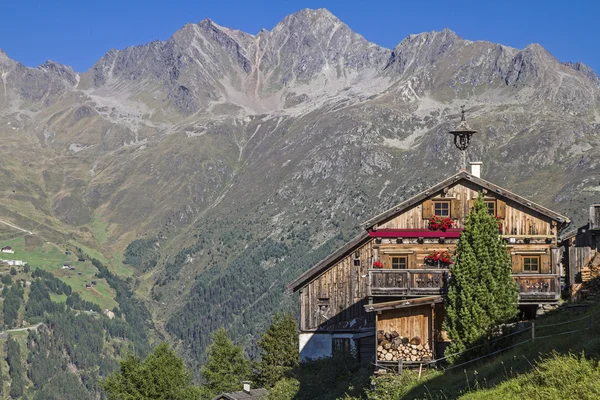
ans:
(462, 138)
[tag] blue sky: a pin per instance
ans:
(78, 33)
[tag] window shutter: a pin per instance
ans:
(545, 261)
(516, 264)
(500, 208)
(412, 261)
(456, 212)
(427, 209)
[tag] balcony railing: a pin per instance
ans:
(427, 282)
(533, 287)
(412, 282)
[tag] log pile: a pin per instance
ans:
(391, 346)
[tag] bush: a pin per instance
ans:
(285, 389)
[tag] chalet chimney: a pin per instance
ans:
(476, 168)
(246, 386)
(595, 217)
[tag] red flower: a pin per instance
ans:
(377, 264)
(437, 223)
(443, 257)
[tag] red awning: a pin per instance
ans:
(415, 233)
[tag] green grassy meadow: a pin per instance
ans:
(50, 257)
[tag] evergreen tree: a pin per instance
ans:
(226, 367)
(162, 376)
(481, 291)
(279, 350)
(15, 368)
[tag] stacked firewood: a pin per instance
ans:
(391, 346)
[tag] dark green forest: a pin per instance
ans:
(242, 289)
(69, 346)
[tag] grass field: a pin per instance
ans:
(99, 229)
(50, 257)
(120, 268)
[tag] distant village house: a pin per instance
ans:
(14, 262)
(8, 249)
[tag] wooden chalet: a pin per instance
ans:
(382, 290)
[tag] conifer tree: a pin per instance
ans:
(279, 350)
(481, 291)
(226, 367)
(15, 368)
(161, 376)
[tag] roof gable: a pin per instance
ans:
(463, 176)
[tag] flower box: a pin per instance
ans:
(439, 258)
(437, 223)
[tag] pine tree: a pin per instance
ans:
(279, 348)
(226, 367)
(15, 368)
(481, 291)
(162, 375)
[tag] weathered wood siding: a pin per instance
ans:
(578, 258)
(336, 299)
(409, 322)
(518, 220)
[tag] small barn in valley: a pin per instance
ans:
(384, 288)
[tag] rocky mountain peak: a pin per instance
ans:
(5, 60)
(585, 70)
(422, 49)
(62, 71)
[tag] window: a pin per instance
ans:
(491, 206)
(441, 208)
(340, 344)
(531, 263)
(399, 262)
(357, 258)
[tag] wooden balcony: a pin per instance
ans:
(406, 282)
(534, 288)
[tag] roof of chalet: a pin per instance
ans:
(324, 264)
(393, 305)
(360, 239)
(254, 394)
